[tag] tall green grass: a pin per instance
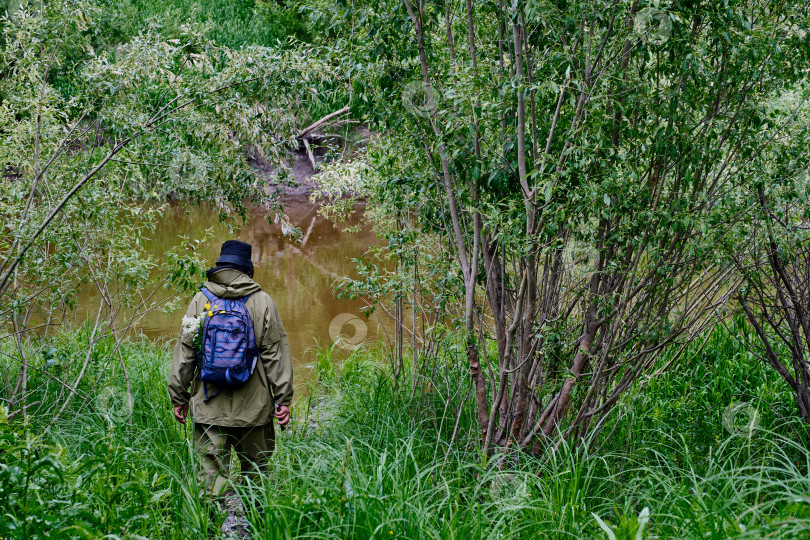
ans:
(381, 468)
(235, 23)
(367, 458)
(104, 467)
(687, 403)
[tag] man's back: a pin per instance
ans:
(271, 383)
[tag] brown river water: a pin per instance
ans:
(299, 276)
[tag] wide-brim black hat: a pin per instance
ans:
(236, 252)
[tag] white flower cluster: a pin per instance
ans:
(191, 325)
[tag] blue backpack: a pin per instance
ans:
(229, 352)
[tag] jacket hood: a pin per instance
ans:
(231, 283)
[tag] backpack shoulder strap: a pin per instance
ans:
(211, 296)
(251, 335)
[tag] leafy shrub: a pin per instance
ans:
(46, 494)
(235, 24)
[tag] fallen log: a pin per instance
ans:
(312, 127)
(309, 154)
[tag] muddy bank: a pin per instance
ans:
(303, 167)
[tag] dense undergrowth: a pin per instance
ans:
(234, 24)
(368, 460)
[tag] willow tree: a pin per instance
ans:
(771, 245)
(570, 156)
(96, 135)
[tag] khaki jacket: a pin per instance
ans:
(271, 382)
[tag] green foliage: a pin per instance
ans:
(664, 151)
(96, 473)
(364, 460)
(644, 152)
(26, 476)
(382, 464)
(178, 117)
(233, 24)
(627, 529)
(688, 402)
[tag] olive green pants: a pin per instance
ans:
(253, 446)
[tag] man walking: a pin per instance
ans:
(236, 375)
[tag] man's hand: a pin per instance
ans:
(180, 412)
(282, 414)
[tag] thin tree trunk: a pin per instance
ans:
(468, 262)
